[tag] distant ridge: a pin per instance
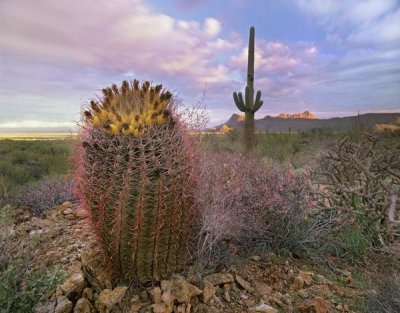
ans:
(284, 124)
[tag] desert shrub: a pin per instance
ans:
(3, 192)
(45, 194)
(363, 178)
(385, 297)
(22, 289)
(24, 162)
(350, 242)
(254, 206)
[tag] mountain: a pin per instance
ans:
(290, 122)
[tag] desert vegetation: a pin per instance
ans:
(145, 199)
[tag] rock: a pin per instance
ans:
(180, 290)
(83, 305)
(244, 284)
(244, 296)
(63, 305)
(67, 211)
(108, 299)
(320, 280)
(183, 308)
(35, 232)
(263, 308)
(262, 288)
(72, 288)
(316, 305)
(227, 294)
(277, 295)
(339, 291)
(66, 205)
(203, 308)
(322, 291)
(307, 277)
(346, 273)
(256, 258)
(250, 302)
(162, 308)
(303, 293)
(287, 263)
(196, 280)
(64, 260)
(88, 294)
(208, 292)
(219, 279)
(342, 307)
(297, 284)
(287, 299)
(80, 213)
(164, 284)
(70, 217)
(155, 295)
(140, 307)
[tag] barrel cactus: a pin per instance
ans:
(135, 173)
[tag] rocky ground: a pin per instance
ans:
(264, 283)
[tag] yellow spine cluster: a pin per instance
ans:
(131, 109)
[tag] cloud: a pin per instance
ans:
(277, 64)
(114, 36)
(56, 55)
(357, 22)
(212, 26)
(387, 30)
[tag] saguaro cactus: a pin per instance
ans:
(249, 105)
(135, 177)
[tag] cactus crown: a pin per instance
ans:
(118, 111)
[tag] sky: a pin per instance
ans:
(330, 57)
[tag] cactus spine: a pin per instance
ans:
(135, 175)
(249, 105)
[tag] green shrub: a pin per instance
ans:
(22, 289)
(351, 242)
(24, 162)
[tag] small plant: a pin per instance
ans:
(249, 105)
(135, 173)
(350, 242)
(45, 194)
(22, 289)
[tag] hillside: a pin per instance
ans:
(283, 124)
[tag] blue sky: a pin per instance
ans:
(331, 57)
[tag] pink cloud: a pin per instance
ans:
(276, 58)
(118, 35)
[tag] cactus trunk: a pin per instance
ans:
(249, 131)
(136, 180)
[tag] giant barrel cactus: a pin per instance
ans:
(135, 172)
